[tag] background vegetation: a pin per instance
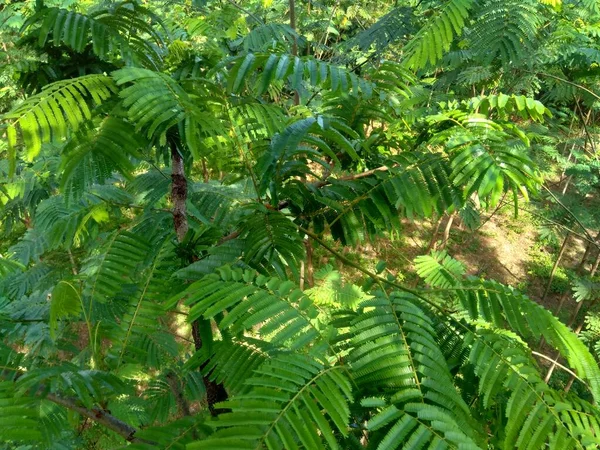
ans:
(299, 224)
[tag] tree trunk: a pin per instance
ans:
(588, 249)
(447, 230)
(215, 392)
(561, 253)
(569, 178)
(292, 5)
(178, 193)
(577, 331)
(433, 239)
(595, 266)
(310, 279)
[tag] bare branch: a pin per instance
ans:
(100, 416)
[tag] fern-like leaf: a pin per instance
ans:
(19, 416)
(296, 70)
(503, 306)
(439, 269)
(65, 301)
(110, 32)
(276, 310)
(430, 43)
(108, 272)
(91, 157)
(537, 416)
(293, 402)
(269, 35)
(270, 235)
(506, 30)
(48, 115)
(394, 345)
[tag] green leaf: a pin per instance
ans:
(64, 301)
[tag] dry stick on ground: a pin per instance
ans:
(215, 392)
(500, 204)
(589, 139)
(566, 369)
(585, 121)
(562, 176)
(446, 236)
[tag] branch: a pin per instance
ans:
(583, 88)
(324, 182)
(245, 11)
(100, 416)
(358, 267)
(557, 200)
(585, 128)
(364, 174)
(566, 369)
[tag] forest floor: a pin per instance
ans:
(506, 249)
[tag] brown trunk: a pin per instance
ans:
(561, 303)
(215, 392)
(178, 193)
(292, 5)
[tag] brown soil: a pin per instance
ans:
(500, 250)
(495, 251)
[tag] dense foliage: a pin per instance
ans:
(170, 170)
